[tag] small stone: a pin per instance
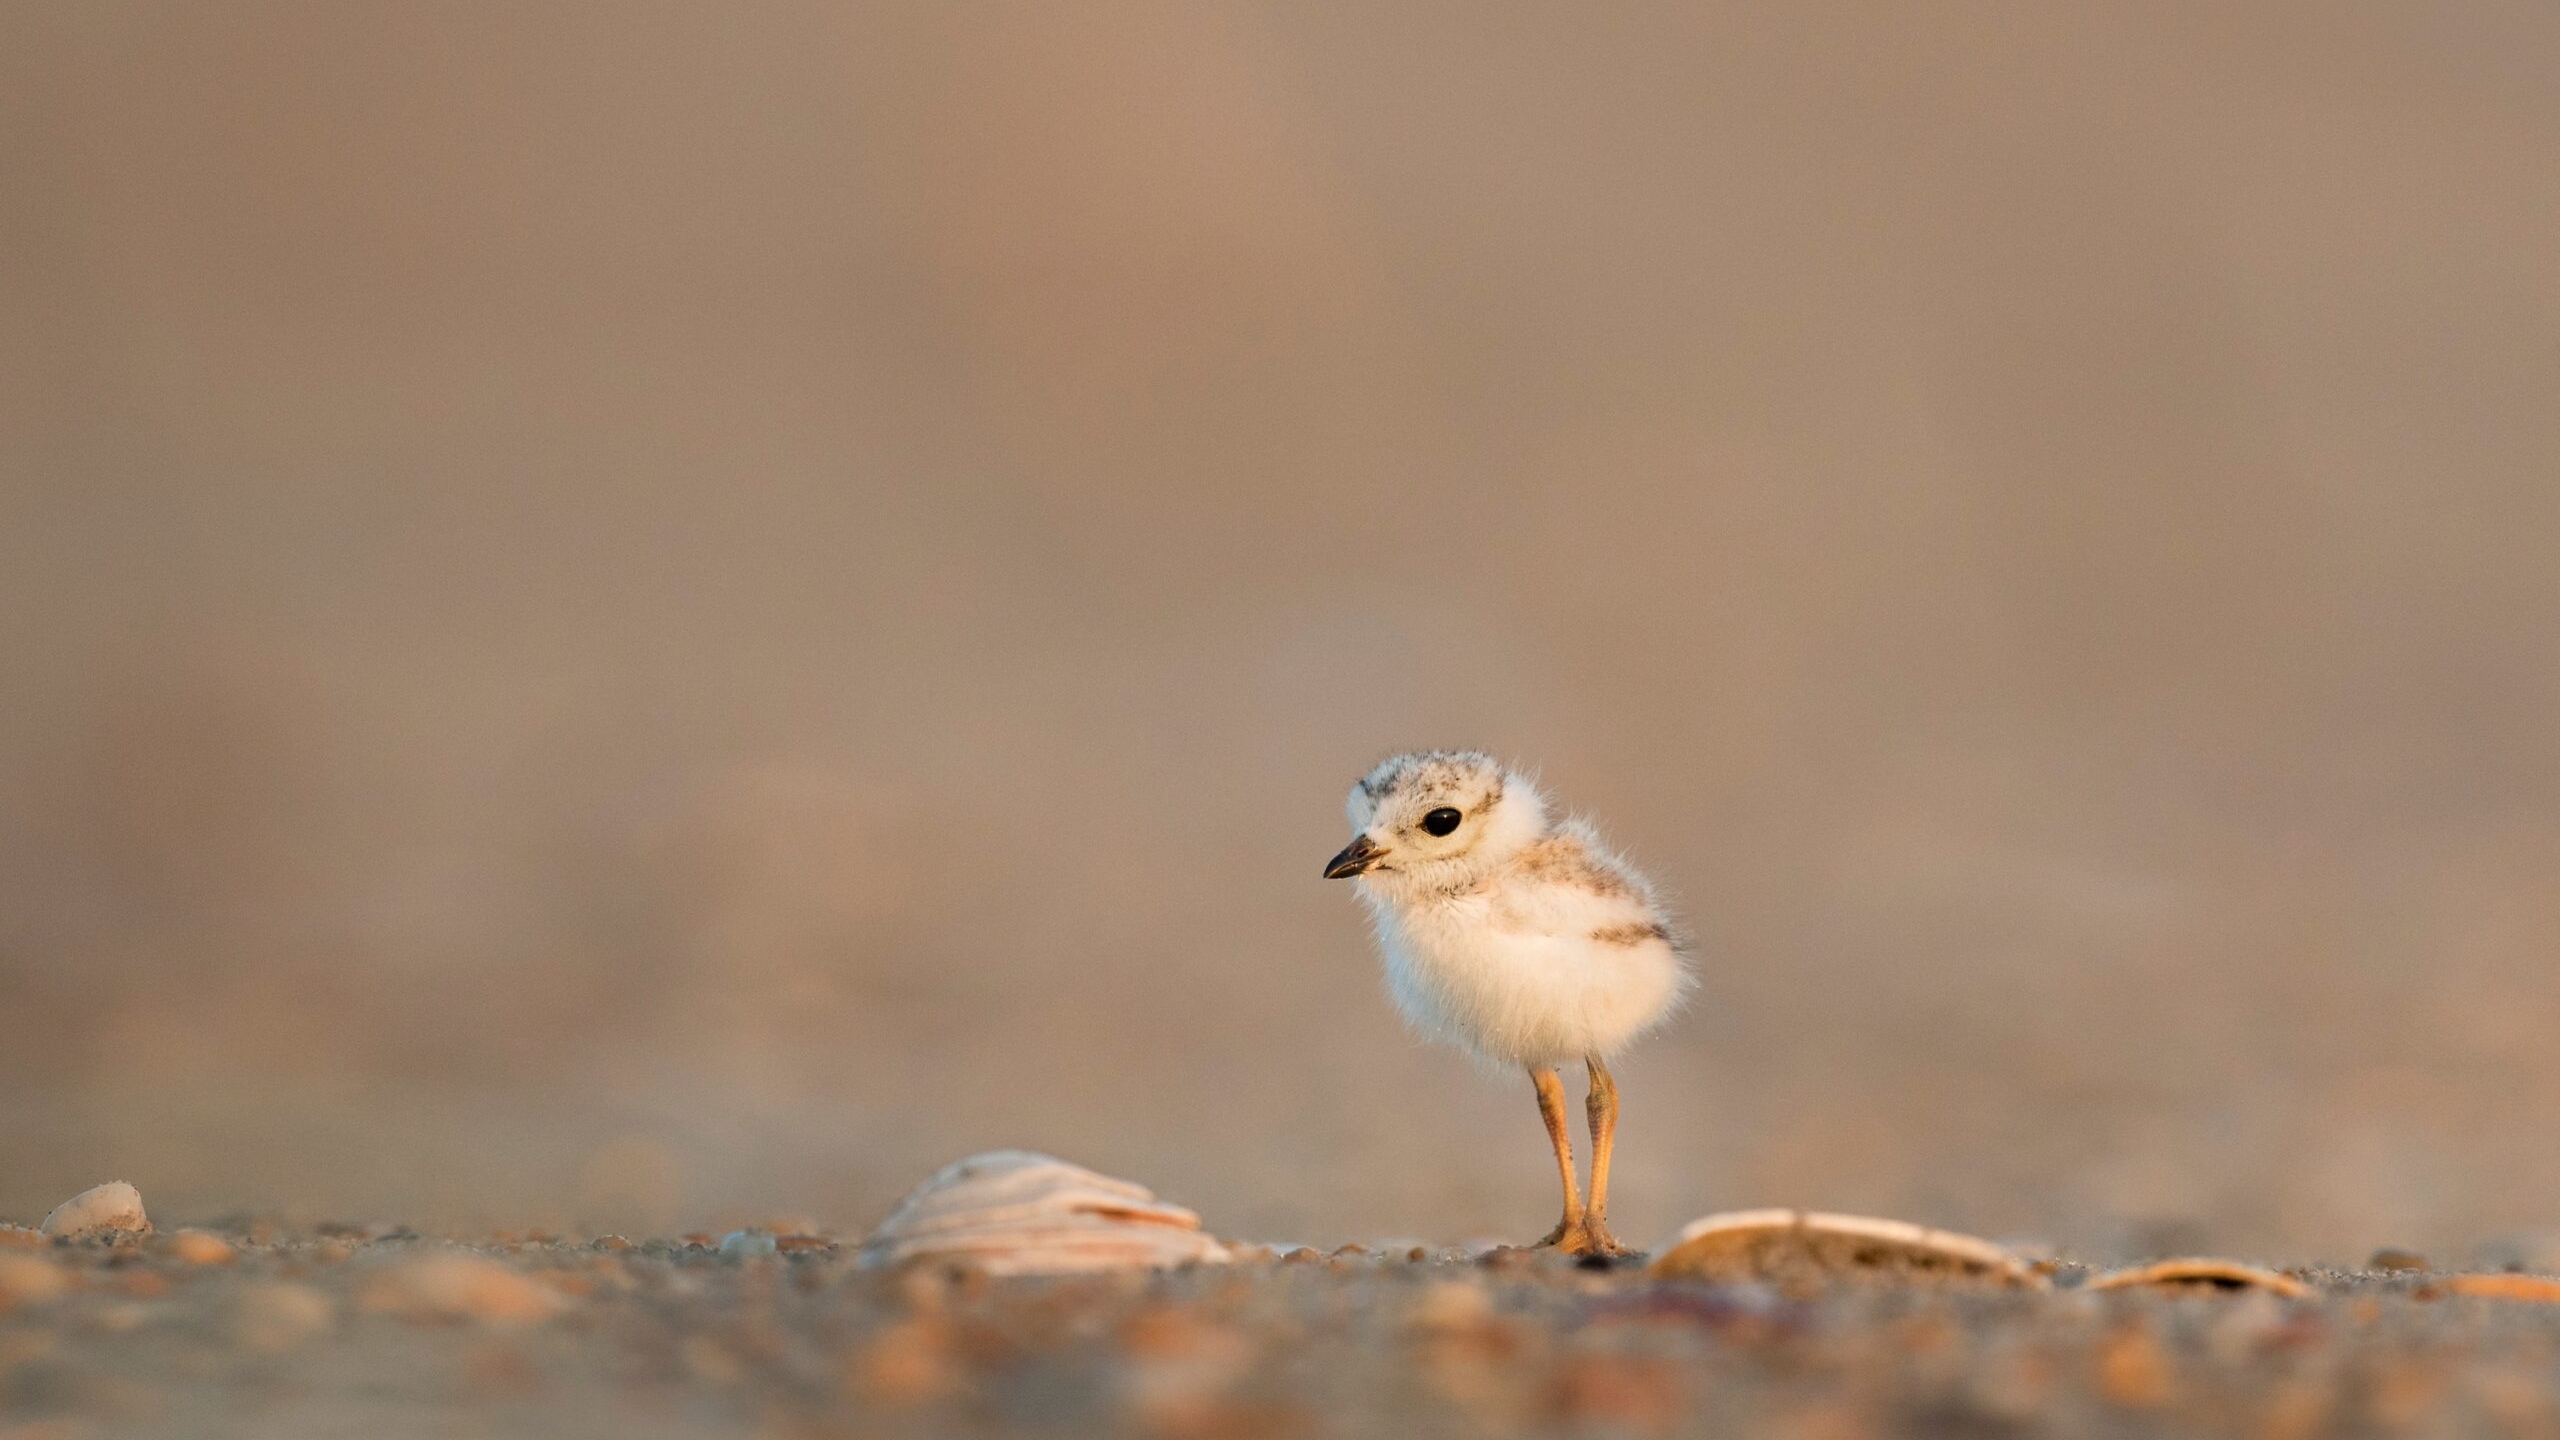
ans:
(497, 1370)
(1449, 1305)
(711, 1362)
(905, 1364)
(30, 1279)
(23, 1344)
(97, 1210)
(458, 1285)
(2391, 1257)
(2134, 1371)
(746, 1244)
(567, 1282)
(120, 1318)
(1181, 1367)
(1624, 1393)
(200, 1247)
(140, 1284)
(277, 1315)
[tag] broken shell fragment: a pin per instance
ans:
(1013, 1212)
(2198, 1273)
(1808, 1245)
(2537, 1288)
(98, 1210)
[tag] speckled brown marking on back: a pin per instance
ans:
(1562, 860)
(1630, 935)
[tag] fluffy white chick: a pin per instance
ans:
(1523, 941)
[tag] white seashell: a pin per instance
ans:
(2200, 1274)
(1802, 1244)
(1013, 1212)
(98, 1210)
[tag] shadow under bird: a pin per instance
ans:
(1521, 940)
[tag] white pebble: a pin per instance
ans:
(743, 1243)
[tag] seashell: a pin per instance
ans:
(99, 1210)
(2200, 1274)
(1808, 1244)
(1013, 1212)
(2541, 1289)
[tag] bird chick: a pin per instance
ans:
(1521, 940)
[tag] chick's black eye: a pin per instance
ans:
(1442, 820)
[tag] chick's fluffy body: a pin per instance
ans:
(1524, 941)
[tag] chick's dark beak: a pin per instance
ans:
(1355, 859)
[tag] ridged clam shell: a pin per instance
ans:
(2200, 1274)
(1808, 1244)
(1014, 1212)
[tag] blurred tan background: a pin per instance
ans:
(649, 616)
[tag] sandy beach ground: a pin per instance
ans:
(248, 1329)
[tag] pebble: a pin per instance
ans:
(141, 1284)
(2391, 1257)
(99, 1209)
(119, 1318)
(277, 1315)
(2134, 1370)
(458, 1285)
(743, 1244)
(200, 1247)
(30, 1279)
(905, 1364)
(1449, 1305)
(1618, 1393)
